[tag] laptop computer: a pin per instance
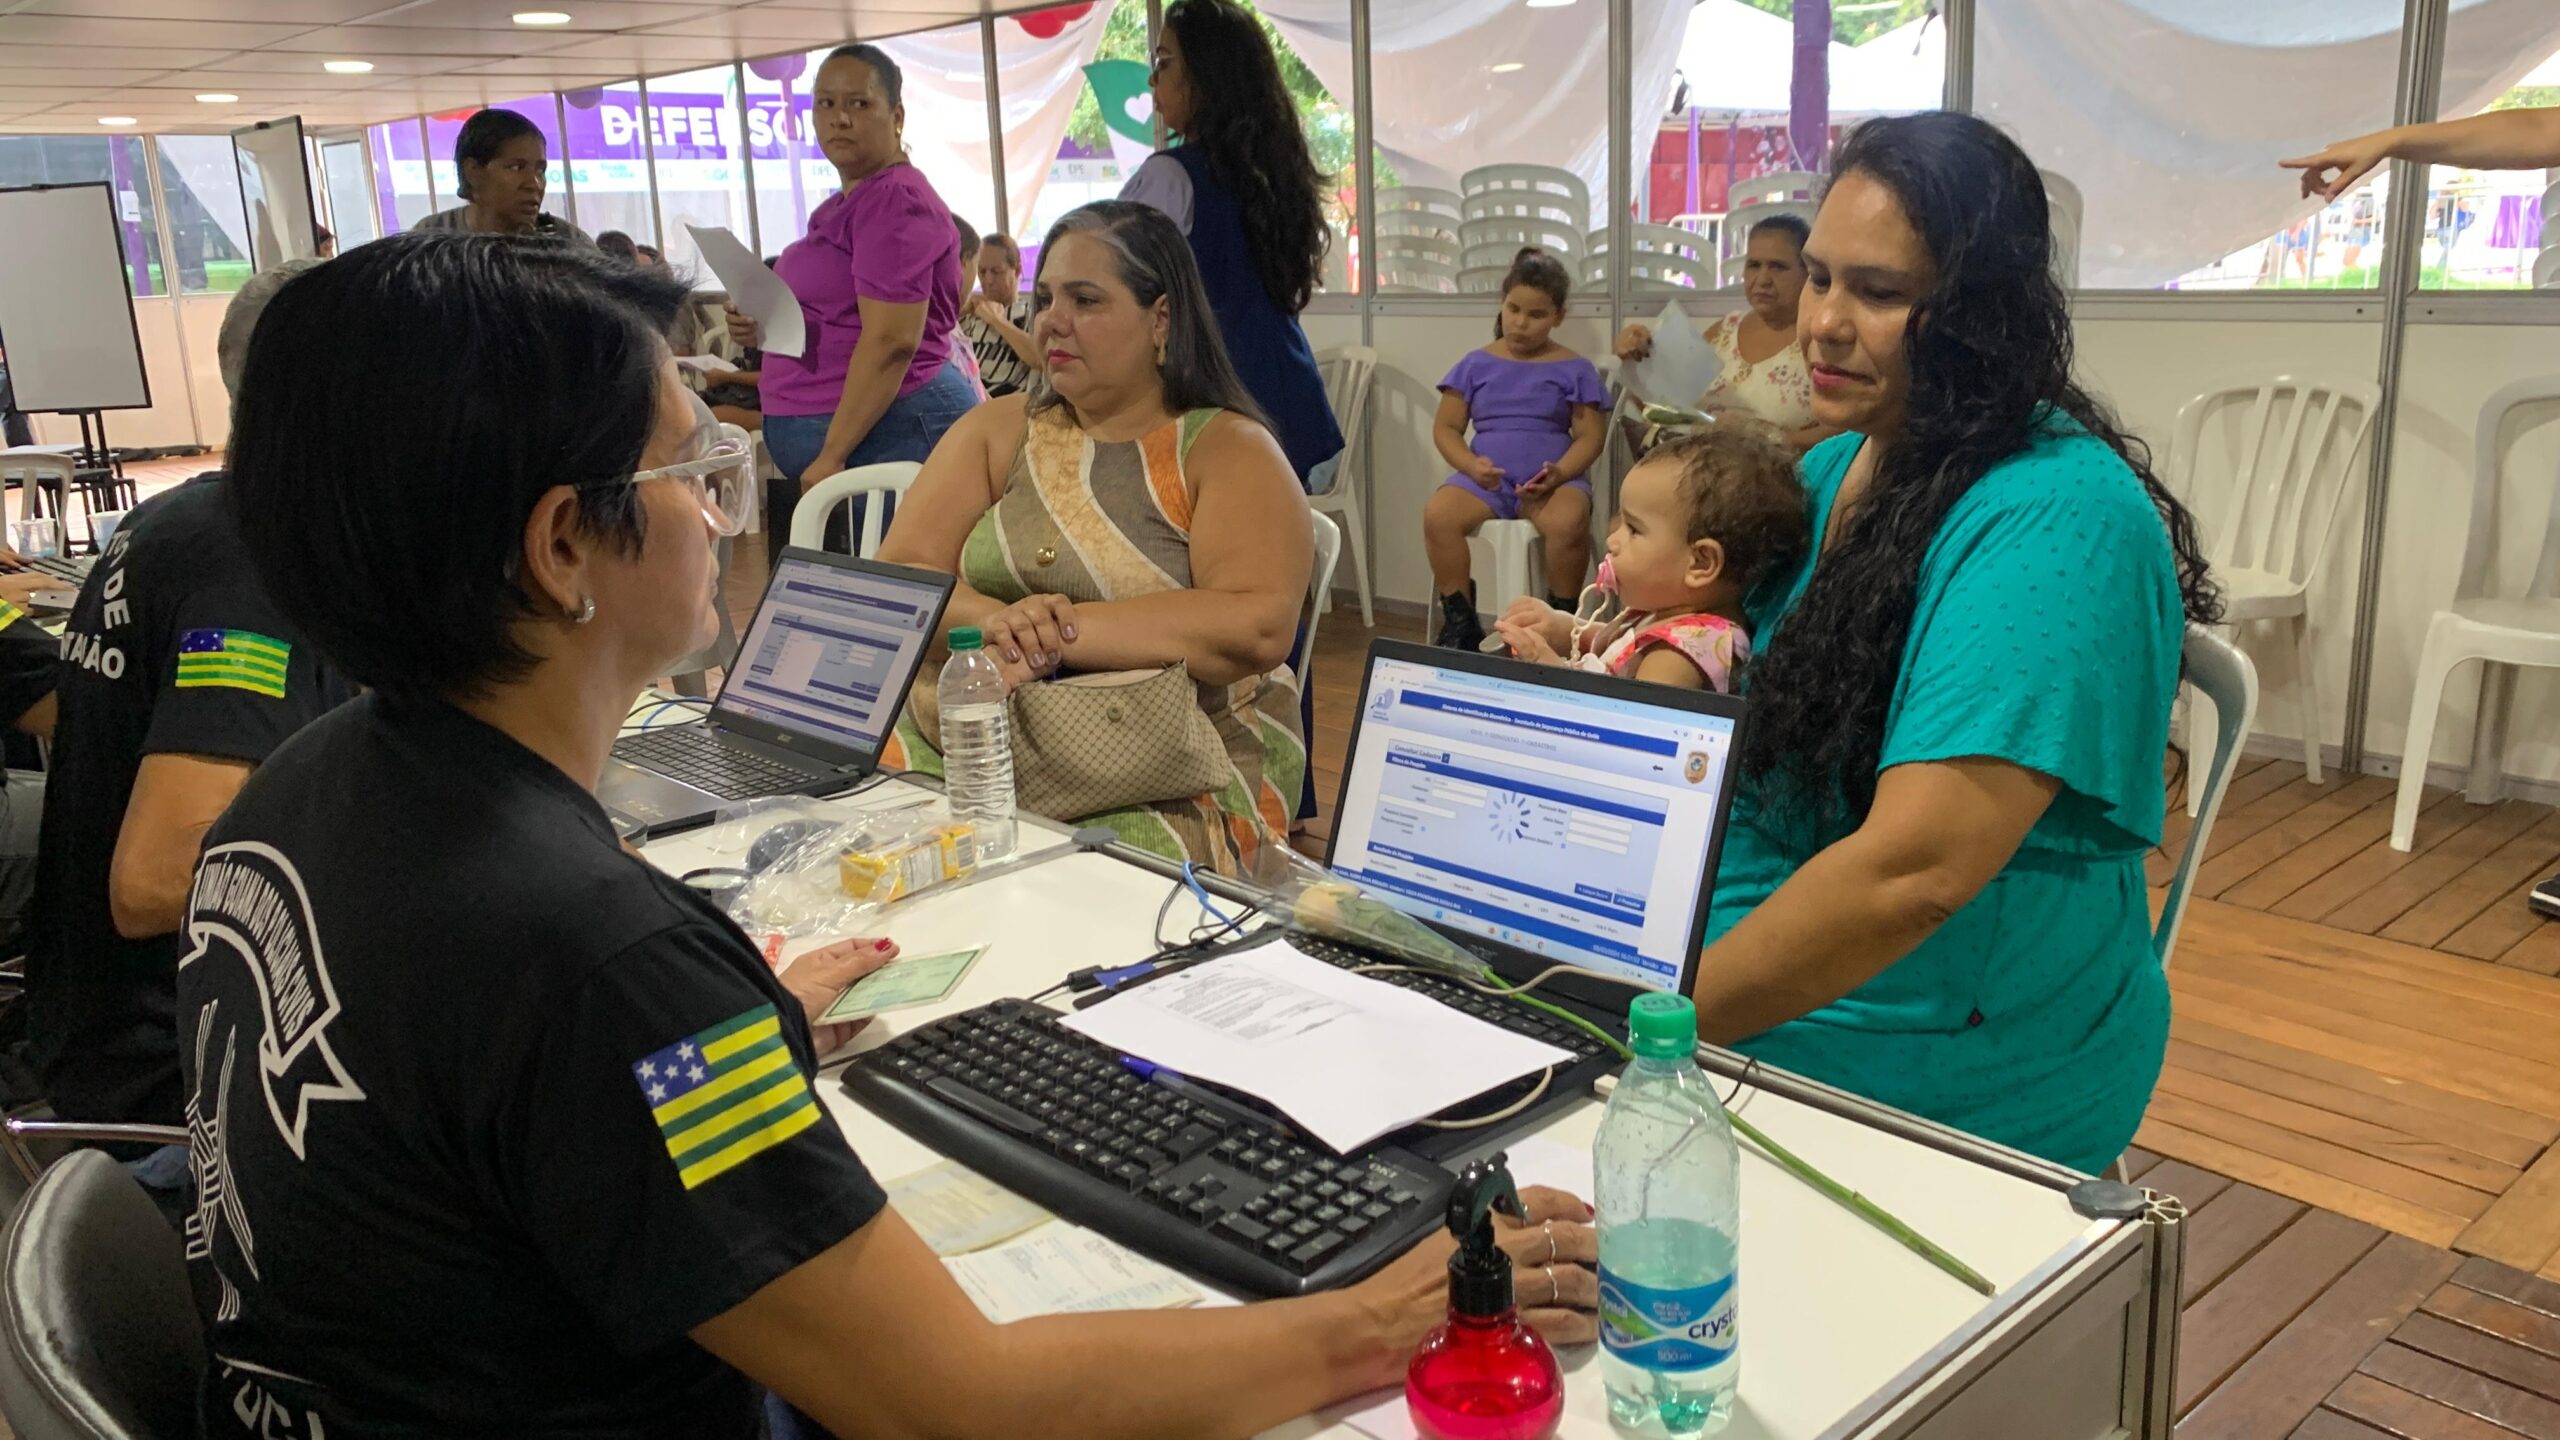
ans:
(1536, 816)
(804, 708)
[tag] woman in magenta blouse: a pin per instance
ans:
(879, 281)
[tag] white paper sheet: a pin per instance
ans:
(754, 289)
(703, 363)
(956, 1210)
(1347, 1057)
(1058, 1269)
(1532, 1162)
(1681, 366)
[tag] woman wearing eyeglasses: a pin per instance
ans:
(445, 1041)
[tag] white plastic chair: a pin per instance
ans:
(1417, 265)
(1777, 185)
(1521, 185)
(2227, 690)
(1659, 257)
(1418, 206)
(1482, 279)
(2062, 200)
(1508, 559)
(39, 472)
(2546, 269)
(1735, 240)
(2501, 631)
(1328, 540)
(809, 517)
(2267, 529)
(1495, 241)
(1348, 373)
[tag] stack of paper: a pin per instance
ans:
(1347, 1057)
(1058, 1268)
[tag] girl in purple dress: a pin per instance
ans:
(1539, 413)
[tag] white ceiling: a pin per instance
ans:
(65, 63)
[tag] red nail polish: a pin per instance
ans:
(879, 944)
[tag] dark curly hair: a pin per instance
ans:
(1246, 125)
(1990, 353)
(1738, 488)
(1539, 271)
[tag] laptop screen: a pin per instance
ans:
(1572, 825)
(831, 651)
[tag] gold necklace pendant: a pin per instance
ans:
(1045, 556)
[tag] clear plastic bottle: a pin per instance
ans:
(977, 743)
(1668, 1191)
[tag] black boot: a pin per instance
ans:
(1459, 628)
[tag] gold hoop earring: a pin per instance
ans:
(1159, 354)
(586, 610)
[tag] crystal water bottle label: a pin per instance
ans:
(1685, 1329)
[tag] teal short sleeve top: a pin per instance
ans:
(2046, 630)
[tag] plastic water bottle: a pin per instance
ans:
(1667, 1184)
(977, 743)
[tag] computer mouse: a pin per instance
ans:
(776, 844)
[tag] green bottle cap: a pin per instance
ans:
(1662, 1027)
(968, 637)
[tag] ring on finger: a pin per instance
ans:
(1549, 1230)
(1555, 1288)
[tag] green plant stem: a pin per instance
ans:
(1860, 1205)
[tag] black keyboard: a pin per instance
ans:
(692, 754)
(71, 572)
(1500, 1010)
(1181, 1176)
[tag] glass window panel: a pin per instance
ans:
(200, 180)
(1493, 132)
(443, 129)
(86, 159)
(402, 189)
(2167, 121)
(945, 89)
(1064, 145)
(2486, 229)
(791, 176)
(609, 161)
(351, 215)
(701, 161)
(1730, 130)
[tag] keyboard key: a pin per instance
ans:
(1244, 1228)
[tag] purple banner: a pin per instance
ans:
(605, 125)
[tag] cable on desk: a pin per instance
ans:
(1545, 1078)
(645, 714)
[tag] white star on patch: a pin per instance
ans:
(648, 1069)
(696, 1074)
(685, 1051)
(657, 1092)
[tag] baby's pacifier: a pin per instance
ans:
(1606, 579)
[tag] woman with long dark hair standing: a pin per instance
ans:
(1932, 893)
(1243, 188)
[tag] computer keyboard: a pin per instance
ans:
(1177, 1174)
(695, 756)
(71, 572)
(1499, 1010)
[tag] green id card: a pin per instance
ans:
(902, 984)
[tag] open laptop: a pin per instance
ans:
(1537, 816)
(804, 708)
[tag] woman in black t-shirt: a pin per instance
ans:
(463, 1073)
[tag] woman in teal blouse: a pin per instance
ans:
(1932, 893)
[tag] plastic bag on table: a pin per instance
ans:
(1312, 900)
(791, 881)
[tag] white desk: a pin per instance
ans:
(1844, 1333)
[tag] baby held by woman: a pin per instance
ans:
(1700, 522)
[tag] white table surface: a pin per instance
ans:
(1831, 1308)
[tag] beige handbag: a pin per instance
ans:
(1110, 741)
